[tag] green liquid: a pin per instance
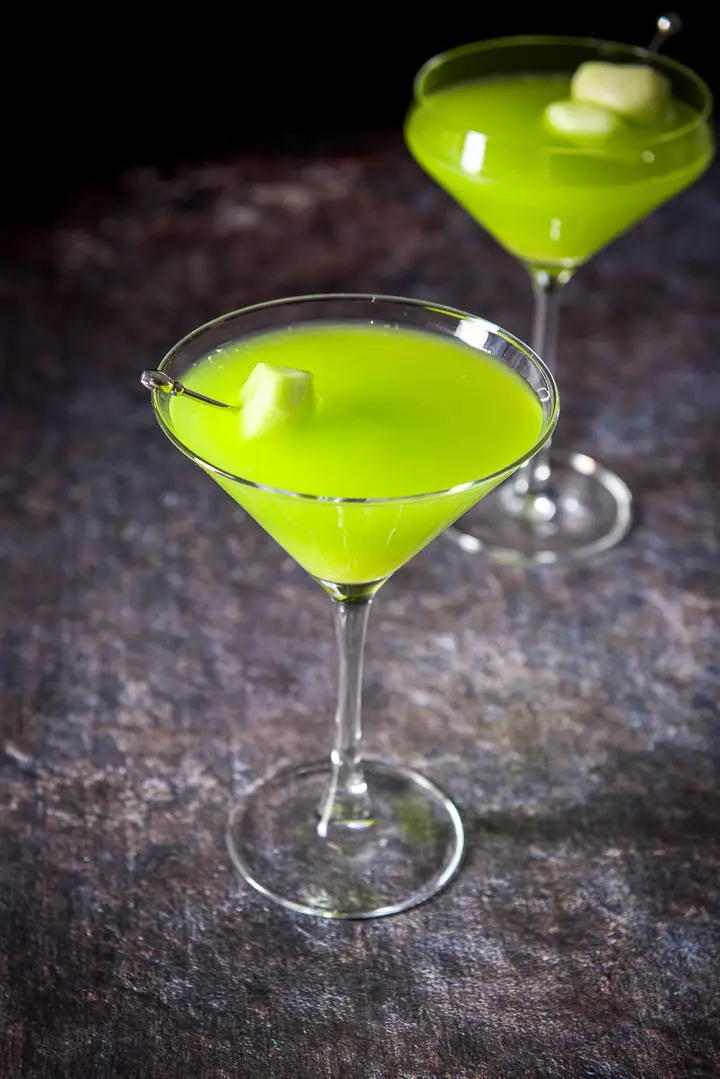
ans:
(400, 413)
(548, 201)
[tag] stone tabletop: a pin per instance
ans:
(158, 652)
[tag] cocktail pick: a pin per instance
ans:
(667, 26)
(158, 380)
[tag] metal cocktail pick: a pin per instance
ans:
(667, 25)
(158, 380)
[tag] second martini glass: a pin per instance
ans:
(382, 466)
(476, 128)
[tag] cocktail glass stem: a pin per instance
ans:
(532, 482)
(346, 802)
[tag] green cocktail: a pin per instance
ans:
(558, 204)
(354, 429)
(556, 146)
(379, 391)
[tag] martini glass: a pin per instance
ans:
(348, 837)
(475, 127)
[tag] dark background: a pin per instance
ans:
(86, 98)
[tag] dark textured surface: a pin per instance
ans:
(158, 652)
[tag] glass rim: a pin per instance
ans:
(360, 297)
(434, 62)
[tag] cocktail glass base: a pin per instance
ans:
(403, 854)
(586, 509)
